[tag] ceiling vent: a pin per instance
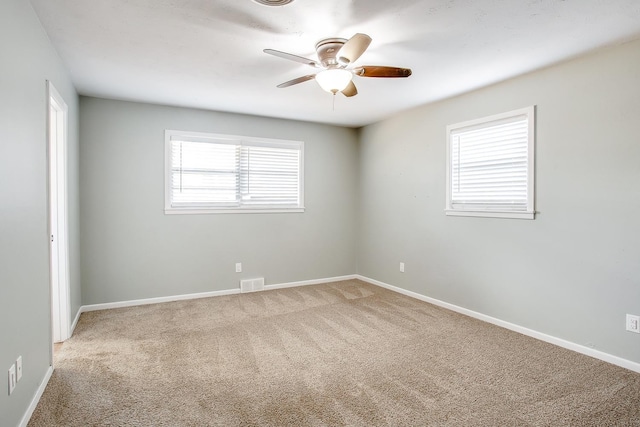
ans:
(273, 2)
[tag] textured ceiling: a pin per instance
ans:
(208, 53)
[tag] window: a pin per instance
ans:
(490, 166)
(207, 173)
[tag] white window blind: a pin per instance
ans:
(223, 173)
(269, 175)
(491, 166)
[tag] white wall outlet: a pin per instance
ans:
(402, 267)
(19, 368)
(238, 267)
(12, 378)
(633, 323)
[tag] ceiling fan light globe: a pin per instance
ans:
(334, 80)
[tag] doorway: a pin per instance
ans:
(57, 113)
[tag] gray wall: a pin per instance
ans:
(28, 60)
(132, 250)
(574, 271)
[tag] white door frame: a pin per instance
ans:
(57, 112)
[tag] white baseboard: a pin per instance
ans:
(157, 300)
(36, 398)
(75, 322)
(310, 282)
(597, 354)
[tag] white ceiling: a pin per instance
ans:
(208, 53)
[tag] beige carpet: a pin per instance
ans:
(345, 353)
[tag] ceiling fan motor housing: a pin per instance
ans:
(327, 50)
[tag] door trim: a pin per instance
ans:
(57, 132)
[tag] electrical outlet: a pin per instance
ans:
(633, 323)
(19, 368)
(12, 378)
(238, 267)
(402, 267)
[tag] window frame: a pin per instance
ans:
(487, 210)
(228, 139)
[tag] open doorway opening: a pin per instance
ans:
(58, 225)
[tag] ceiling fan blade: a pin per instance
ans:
(353, 48)
(350, 90)
(298, 80)
(381, 71)
(292, 57)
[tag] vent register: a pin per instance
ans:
(252, 285)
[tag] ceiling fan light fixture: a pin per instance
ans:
(334, 80)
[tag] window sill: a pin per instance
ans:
(189, 211)
(491, 214)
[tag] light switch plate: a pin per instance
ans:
(19, 368)
(12, 378)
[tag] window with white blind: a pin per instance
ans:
(490, 166)
(208, 173)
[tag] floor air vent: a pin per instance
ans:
(252, 285)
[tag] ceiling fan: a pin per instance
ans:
(335, 55)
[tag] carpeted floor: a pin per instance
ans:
(345, 353)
